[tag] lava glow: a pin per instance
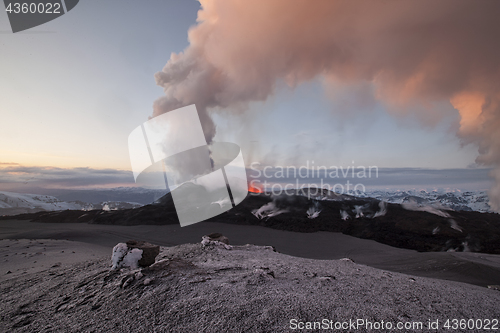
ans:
(254, 189)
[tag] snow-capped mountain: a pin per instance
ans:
(118, 194)
(443, 199)
(17, 203)
(454, 199)
(20, 203)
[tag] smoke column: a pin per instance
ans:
(415, 53)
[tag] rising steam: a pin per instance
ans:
(416, 54)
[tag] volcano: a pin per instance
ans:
(312, 210)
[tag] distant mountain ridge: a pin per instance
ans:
(454, 199)
(129, 197)
(20, 203)
(408, 225)
(124, 194)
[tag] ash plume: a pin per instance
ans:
(415, 54)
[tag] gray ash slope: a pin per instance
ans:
(397, 226)
(249, 288)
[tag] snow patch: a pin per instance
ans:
(268, 210)
(206, 241)
(345, 216)
(435, 208)
(454, 225)
(383, 209)
(313, 211)
(124, 257)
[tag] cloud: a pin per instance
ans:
(409, 55)
(15, 176)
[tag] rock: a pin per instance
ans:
(272, 248)
(208, 241)
(126, 281)
(124, 256)
(149, 251)
(327, 278)
(218, 237)
(347, 259)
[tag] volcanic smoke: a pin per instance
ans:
(416, 54)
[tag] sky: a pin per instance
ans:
(73, 89)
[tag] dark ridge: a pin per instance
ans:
(416, 230)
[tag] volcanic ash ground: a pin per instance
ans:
(217, 288)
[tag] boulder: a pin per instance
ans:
(218, 237)
(149, 251)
